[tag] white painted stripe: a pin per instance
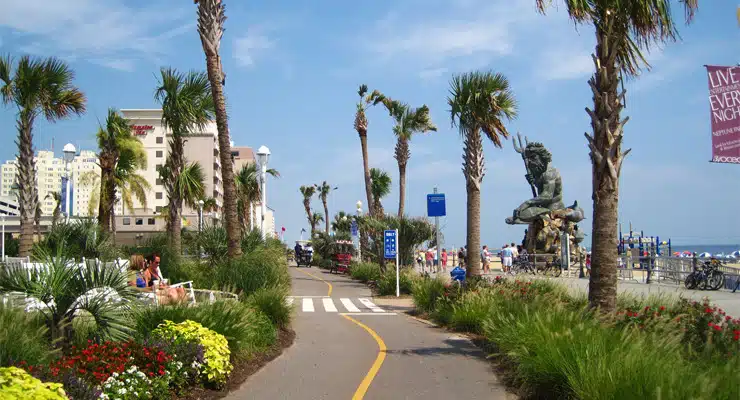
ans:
(368, 313)
(349, 305)
(329, 305)
(289, 301)
(308, 297)
(369, 304)
(307, 305)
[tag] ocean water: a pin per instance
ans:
(710, 248)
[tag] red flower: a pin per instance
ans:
(662, 308)
(717, 328)
(708, 310)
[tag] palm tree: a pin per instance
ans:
(361, 123)
(314, 220)
(623, 31)
(342, 222)
(37, 88)
(187, 106)
(211, 19)
(478, 101)
(408, 121)
(380, 186)
(209, 204)
(117, 142)
(323, 190)
(249, 192)
(188, 186)
(308, 192)
(57, 197)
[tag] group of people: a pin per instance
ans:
(144, 275)
(509, 253)
(430, 259)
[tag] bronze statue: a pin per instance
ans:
(545, 212)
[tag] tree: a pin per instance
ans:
(116, 141)
(315, 219)
(624, 29)
(308, 192)
(249, 192)
(37, 88)
(187, 106)
(478, 101)
(188, 186)
(366, 100)
(57, 214)
(323, 190)
(407, 122)
(380, 186)
(211, 20)
(342, 222)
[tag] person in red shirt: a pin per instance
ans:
(430, 258)
(444, 260)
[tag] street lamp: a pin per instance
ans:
(263, 157)
(3, 218)
(200, 215)
(69, 152)
(359, 235)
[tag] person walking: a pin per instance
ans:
(444, 260)
(484, 260)
(514, 252)
(429, 258)
(436, 261)
(506, 256)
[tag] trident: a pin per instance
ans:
(522, 149)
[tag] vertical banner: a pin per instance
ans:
(64, 195)
(724, 103)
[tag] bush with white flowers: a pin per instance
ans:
(134, 384)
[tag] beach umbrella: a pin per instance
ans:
(736, 253)
(705, 255)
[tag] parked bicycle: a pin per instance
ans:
(551, 268)
(522, 266)
(706, 276)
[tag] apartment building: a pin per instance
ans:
(49, 173)
(243, 156)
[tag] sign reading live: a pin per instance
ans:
(724, 102)
(140, 130)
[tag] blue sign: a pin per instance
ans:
(354, 228)
(436, 205)
(390, 243)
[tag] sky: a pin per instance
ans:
(293, 69)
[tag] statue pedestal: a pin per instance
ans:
(544, 236)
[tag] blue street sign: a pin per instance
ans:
(436, 205)
(353, 228)
(389, 243)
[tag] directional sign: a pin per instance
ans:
(390, 243)
(353, 228)
(436, 205)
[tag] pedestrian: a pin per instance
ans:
(514, 252)
(507, 254)
(484, 259)
(436, 261)
(429, 258)
(464, 257)
(444, 260)
(588, 264)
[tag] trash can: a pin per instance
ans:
(458, 274)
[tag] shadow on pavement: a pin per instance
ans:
(461, 347)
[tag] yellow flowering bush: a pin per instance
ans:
(216, 353)
(16, 383)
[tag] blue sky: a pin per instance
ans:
(293, 70)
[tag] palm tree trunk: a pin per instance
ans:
(606, 158)
(215, 75)
(251, 216)
(26, 181)
(104, 205)
(473, 167)
(326, 216)
(175, 225)
(366, 167)
(402, 156)
(113, 223)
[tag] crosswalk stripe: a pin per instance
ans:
(369, 304)
(307, 305)
(349, 305)
(329, 305)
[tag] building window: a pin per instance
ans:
(159, 153)
(159, 181)
(150, 221)
(139, 221)
(160, 140)
(157, 167)
(158, 196)
(127, 221)
(158, 209)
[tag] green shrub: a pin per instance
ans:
(16, 383)
(471, 310)
(426, 292)
(185, 269)
(386, 284)
(272, 302)
(216, 353)
(23, 337)
(133, 384)
(262, 268)
(252, 241)
(365, 272)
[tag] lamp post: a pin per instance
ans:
(69, 152)
(263, 157)
(359, 235)
(200, 215)
(3, 218)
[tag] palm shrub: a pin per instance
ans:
(212, 240)
(264, 267)
(252, 240)
(23, 338)
(426, 292)
(272, 303)
(365, 272)
(63, 290)
(79, 238)
(386, 284)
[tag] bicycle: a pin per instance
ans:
(522, 266)
(552, 268)
(707, 276)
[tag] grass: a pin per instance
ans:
(264, 267)
(386, 284)
(365, 272)
(426, 293)
(272, 303)
(23, 337)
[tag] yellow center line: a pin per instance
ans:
(365, 384)
(316, 277)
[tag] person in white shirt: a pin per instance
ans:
(514, 252)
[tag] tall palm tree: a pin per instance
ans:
(323, 190)
(314, 220)
(478, 102)
(187, 106)
(57, 214)
(188, 186)
(38, 88)
(366, 100)
(249, 192)
(624, 29)
(308, 192)
(116, 141)
(211, 20)
(408, 121)
(342, 222)
(380, 186)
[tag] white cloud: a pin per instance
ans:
(251, 45)
(97, 29)
(114, 63)
(565, 65)
(432, 73)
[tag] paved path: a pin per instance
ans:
(351, 346)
